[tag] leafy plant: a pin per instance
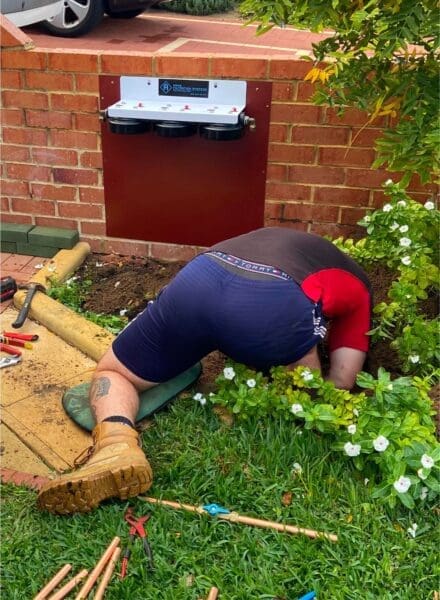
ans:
(200, 7)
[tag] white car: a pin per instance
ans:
(28, 12)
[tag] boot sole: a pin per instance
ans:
(83, 495)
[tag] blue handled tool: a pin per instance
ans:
(308, 596)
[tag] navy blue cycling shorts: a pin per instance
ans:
(258, 319)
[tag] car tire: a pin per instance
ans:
(125, 14)
(77, 18)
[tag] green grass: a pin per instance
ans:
(247, 467)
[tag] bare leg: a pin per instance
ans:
(114, 389)
(310, 360)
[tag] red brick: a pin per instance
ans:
(352, 116)
(278, 133)
(87, 83)
(56, 222)
(172, 252)
(110, 246)
(11, 116)
(79, 211)
(91, 159)
(28, 172)
(350, 216)
(55, 156)
(341, 196)
(74, 102)
(415, 185)
(316, 174)
(11, 80)
(92, 195)
(32, 137)
(53, 192)
(15, 188)
(287, 191)
(33, 207)
(282, 91)
(325, 214)
(276, 172)
(11, 36)
(24, 99)
(183, 66)
(243, 67)
(305, 91)
(322, 136)
(15, 153)
(78, 61)
(4, 204)
(286, 68)
(366, 178)
(273, 210)
(75, 176)
(32, 59)
(87, 122)
(295, 113)
(50, 119)
(93, 228)
(297, 212)
(74, 139)
(351, 157)
(289, 153)
(49, 81)
(333, 230)
(15, 218)
(365, 137)
(127, 63)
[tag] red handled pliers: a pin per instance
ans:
(137, 528)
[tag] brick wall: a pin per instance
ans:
(318, 176)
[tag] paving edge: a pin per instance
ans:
(89, 338)
(27, 480)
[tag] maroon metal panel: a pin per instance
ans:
(189, 190)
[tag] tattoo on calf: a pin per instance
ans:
(100, 388)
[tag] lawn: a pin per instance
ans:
(249, 467)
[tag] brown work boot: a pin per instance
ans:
(117, 467)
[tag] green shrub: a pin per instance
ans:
(200, 7)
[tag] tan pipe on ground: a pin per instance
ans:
(71, 327)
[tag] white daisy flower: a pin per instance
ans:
(423, 493)
(352, 449)
(403, 228)
(389, 182)
(200, 398)
(427, 461)
(401, 203)
(421, 474)
(406, 260)
(296, 408)
(387, 208)
(429, 205)
(402, 484)
(394, 226)
(229, 373)
(414, 358)
(307, 375)
(351, 429)
(405, 242)
(251, 383)
(412, 530)
(381, 443)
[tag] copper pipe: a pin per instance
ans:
(213, 593)
(107, 574)
(84, 591)
(52, 584)
(62, 592)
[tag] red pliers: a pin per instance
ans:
(137, 528)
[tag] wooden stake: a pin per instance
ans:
(237, 518)
(62, 592)
(213, 593)
(52, 584)
(107, 574)
(84, 591)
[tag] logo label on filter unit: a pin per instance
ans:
(191, 88)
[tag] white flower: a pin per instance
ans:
(429, 205)
(421, 474)
(406, 260)
(387, 208)
(351, 429)
(394, 226)
(229, 373)
(366, 480)
(200, 398)
(123, 311)
(307, 375)
(412, 530)
(414, 358)
(405, 242)
(427, 461)
(401, 203)
(297, 468)
(296, 408)
(251, 383)
(299, 432)
(355, 412)
(423, 493)
(403, 228)
(352, 449)
(389, 182)
(402, 485)
(381, 443)
(367, 218)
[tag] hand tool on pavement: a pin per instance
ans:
(137, 528)
(27, 337)
(227, 515)
(9, 349)
(8, 287)
(84, 591)
(52, 584)
(9, 361)
(107, 574)
(15, 342)
(32, 289)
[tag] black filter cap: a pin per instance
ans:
(128, 126)
(174, 129)
(220, 132)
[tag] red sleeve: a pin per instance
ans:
(346, 301)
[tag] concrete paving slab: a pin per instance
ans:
(16, 455)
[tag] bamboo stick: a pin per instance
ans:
(213, 593)
(62, 592)
(237, 518)
(84, 591)
(107, 574)
(52, 584)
